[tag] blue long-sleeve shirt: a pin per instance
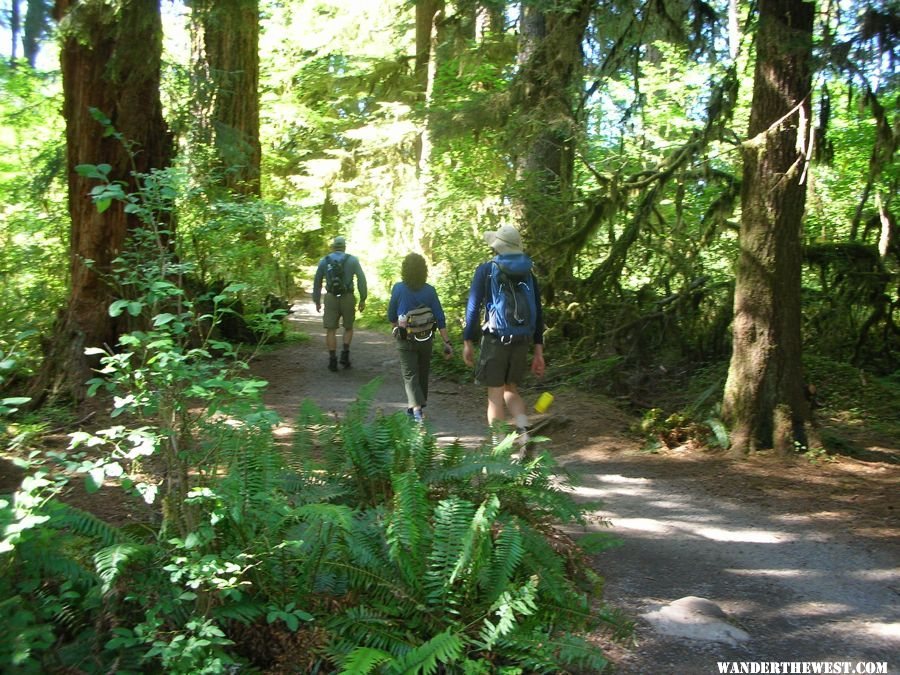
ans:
(475, 307)
(404, 299)
(351, 268)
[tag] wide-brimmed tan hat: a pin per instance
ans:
(505, 240)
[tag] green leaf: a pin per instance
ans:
(163, 319)
(117, 307)
(103, 205)
(94, 479)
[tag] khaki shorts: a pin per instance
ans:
(500, 364)
(339, 307)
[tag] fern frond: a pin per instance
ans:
(86, 524)
(476, 542)
(543, 652)
(363, 660)
(443, 648)
(366, 544)
(111, 561)
(407, 530)
(452, 518)
(334, 514)
(366, 627)
(358, 411)
(505, 558)
(521, 601)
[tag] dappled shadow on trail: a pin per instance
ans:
(792, 573)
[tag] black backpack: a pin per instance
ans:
(335, 277)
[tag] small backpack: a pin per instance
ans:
(335, 276)
(510, 304)
(420, 323)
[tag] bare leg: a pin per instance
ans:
(348, 337)
(495, 410)
(331, 339)
(514, 404)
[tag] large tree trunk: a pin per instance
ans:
(765, 398)
(551, 59)
(230, 59)
(428, 17)
(110, 62)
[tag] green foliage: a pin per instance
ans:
(33, 227)
(444, 551)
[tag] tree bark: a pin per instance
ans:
(230, 58)
(110, 62)
(765, 401)
(428, 16)
(551, 60)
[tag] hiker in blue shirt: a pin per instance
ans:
(491, 320)
(415, 312)
(337, 270)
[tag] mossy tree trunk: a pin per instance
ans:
(765, 402)
(545, 132)
(110, 60)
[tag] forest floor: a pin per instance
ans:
(804, 557)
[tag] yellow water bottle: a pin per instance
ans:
(543, 402)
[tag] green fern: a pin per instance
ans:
(111, 561)
(363, 660)
(452, 518)
(407, 529)
(476, 545)
(520, 601)
(505, 559)
(444, 648)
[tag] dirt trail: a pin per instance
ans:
(810, 574)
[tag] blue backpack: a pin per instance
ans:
(510, 303)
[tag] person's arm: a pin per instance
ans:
(538, 313)
(317, 285)
(393, 305)
(472, 330)
(441, 320)
(537, 360)
(361, 285)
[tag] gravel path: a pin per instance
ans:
(803, 592)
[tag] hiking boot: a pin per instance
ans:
(418, 415)
(345, 358)
(332, 364)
